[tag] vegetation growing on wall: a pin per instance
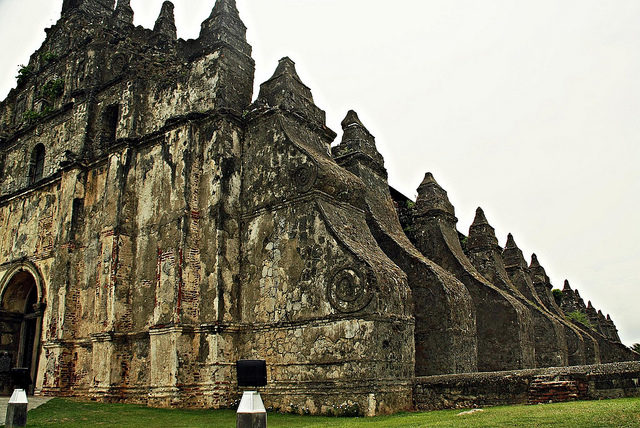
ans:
(52, 89)
(580, 317)
(23, 73)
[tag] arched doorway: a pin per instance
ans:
(21, 321)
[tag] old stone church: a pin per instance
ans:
(158, 223)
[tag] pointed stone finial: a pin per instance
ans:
(123, 15)
(589, 305)
(225, 26)
(600, 314)
(351, 120)
(287, 68)
(568, 298)
(429, 180)
(608, 317)
(286, 91)
(433, 200)
(224, 6)
(166, 22)
(577, 292)
(480, 218)
(534, 261)
(356, 141)
(512, 255)
(481, 234)
(538, 274)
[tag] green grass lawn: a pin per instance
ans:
(607, 413)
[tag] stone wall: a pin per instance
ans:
(592, 382)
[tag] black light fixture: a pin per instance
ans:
(251, 373)
(21, 378)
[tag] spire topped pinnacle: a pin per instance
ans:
(433, 200)
(225, 26)
(566, 285)
(576, 292)
(286, 91)
(287, 68)
(608, 317)
(357, 140)
(225, 7)
(538, 274)
(351, 119)
(166, 22)
(482, 235)
(589, 305)
(429, 180)
(534, 261)
(480, 217)
(123, 15)
(512, 255)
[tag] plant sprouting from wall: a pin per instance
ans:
(52, 89)
(580, 317)
(47, 57)
(24, 71)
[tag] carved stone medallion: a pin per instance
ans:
(304, 177)
(118, 64)
(348, 291)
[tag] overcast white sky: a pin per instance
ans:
(530, 109)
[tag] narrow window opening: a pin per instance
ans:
(36, 166)
(109, 125)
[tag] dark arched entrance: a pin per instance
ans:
(21, 323)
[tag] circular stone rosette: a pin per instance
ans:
(348, 291)
(118, 63)
(304, 177)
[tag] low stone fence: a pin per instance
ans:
(531, 386)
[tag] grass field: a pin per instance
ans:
(607, 413)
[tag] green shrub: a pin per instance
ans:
(53, 89)
(23, 73)
(580, 317)
(31, 115)
(48, 56)
(557, 295)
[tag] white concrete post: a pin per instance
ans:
(251, 412)
(17, 410)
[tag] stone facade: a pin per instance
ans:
(157, 224)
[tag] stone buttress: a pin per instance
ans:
(580, 346)
(543, 287)
(504, 325)
(598, 327)
(331, 313)
(445, 331)
(486, 255)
